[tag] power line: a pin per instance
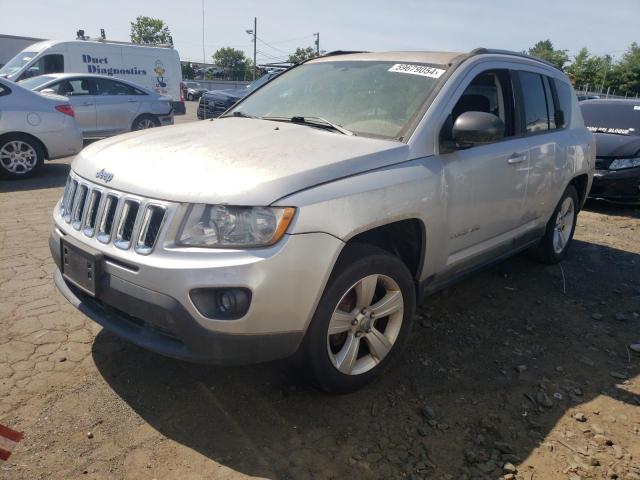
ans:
(271, 46)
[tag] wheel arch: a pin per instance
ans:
(406, 239)
(580, 183)
(31, 136)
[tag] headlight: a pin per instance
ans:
(620, 163)
(224, 226)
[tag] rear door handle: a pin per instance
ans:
(132, 101)
(86, 104)
(516, 158)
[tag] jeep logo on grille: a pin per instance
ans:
(104, 175)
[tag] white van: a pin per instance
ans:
(155, 67)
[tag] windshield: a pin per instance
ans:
(259, 82)
(371, 98)
(617, 118)
(35, 82)
(17, 62)
(193, 85)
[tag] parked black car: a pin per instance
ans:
(215, 102)
(616, 126)
(193, 90)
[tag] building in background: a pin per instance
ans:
(10, 45)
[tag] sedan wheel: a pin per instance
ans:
(19, 156)
(145, 122)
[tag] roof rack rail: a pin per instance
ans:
(481, 51)
(343, 52)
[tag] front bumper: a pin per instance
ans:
(152, 308)
(617, 185)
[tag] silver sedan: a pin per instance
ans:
(33, 127)
(106, 106)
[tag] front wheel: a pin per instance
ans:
(190, 97)
(362, 320)
(560, 229)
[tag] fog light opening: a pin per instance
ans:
(222, 303)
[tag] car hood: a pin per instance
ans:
(238, 161)
(617, 146)
(227, 94)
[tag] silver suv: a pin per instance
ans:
(310, 218)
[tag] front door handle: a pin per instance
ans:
(516, 158)
(132, 101)
(87, 104)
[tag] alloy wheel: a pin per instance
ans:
(145, 123)
(18, 157)
(563, 226)
(365, 324)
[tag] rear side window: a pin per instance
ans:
(112, 87)
(535, 102)
(4, 90)
(565, 97)
(74, 88)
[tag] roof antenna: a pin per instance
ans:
(103, 36)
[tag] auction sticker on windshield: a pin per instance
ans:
(417, 70)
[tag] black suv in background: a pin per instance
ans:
(616, 127)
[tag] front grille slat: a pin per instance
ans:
(126, 224)
(152, 222)
(108, 216)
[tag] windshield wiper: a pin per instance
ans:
(312, 121)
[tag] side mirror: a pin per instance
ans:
(48, 91)
(477, 128)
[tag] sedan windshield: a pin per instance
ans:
(370, 98)
(621, 118)
(35, 82)
(17, 62)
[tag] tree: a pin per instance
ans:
(187, 71)
(302, 54)
(587, 69)
(234, 61)
(625, 75)
(150, 30)
(544, 49)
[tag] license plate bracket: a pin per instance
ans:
(80, 267)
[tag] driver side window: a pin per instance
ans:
(489, 92)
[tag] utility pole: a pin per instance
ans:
(317, 35)
(204, 58)
(254, 32)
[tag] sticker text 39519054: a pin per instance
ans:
(421, 70)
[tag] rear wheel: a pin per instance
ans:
(145, 121)
(560, 229)
(190, 97)
(362, 319)
(20, 156)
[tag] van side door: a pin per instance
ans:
(117, 106)
(486, 184)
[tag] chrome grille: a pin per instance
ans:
(112, 216)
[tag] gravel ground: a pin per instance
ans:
(521, 371)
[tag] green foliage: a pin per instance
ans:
(234, 61)
(187, 71)
(302, 54)
(544, 49)
(598, 72)
(625, 75)
(150, 30)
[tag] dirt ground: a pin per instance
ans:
(522, 367)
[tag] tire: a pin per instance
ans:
(144, 122)
(555, 243)
(374, 339)
(20, 156)
(190, 97)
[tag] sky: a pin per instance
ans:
(374, 25)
